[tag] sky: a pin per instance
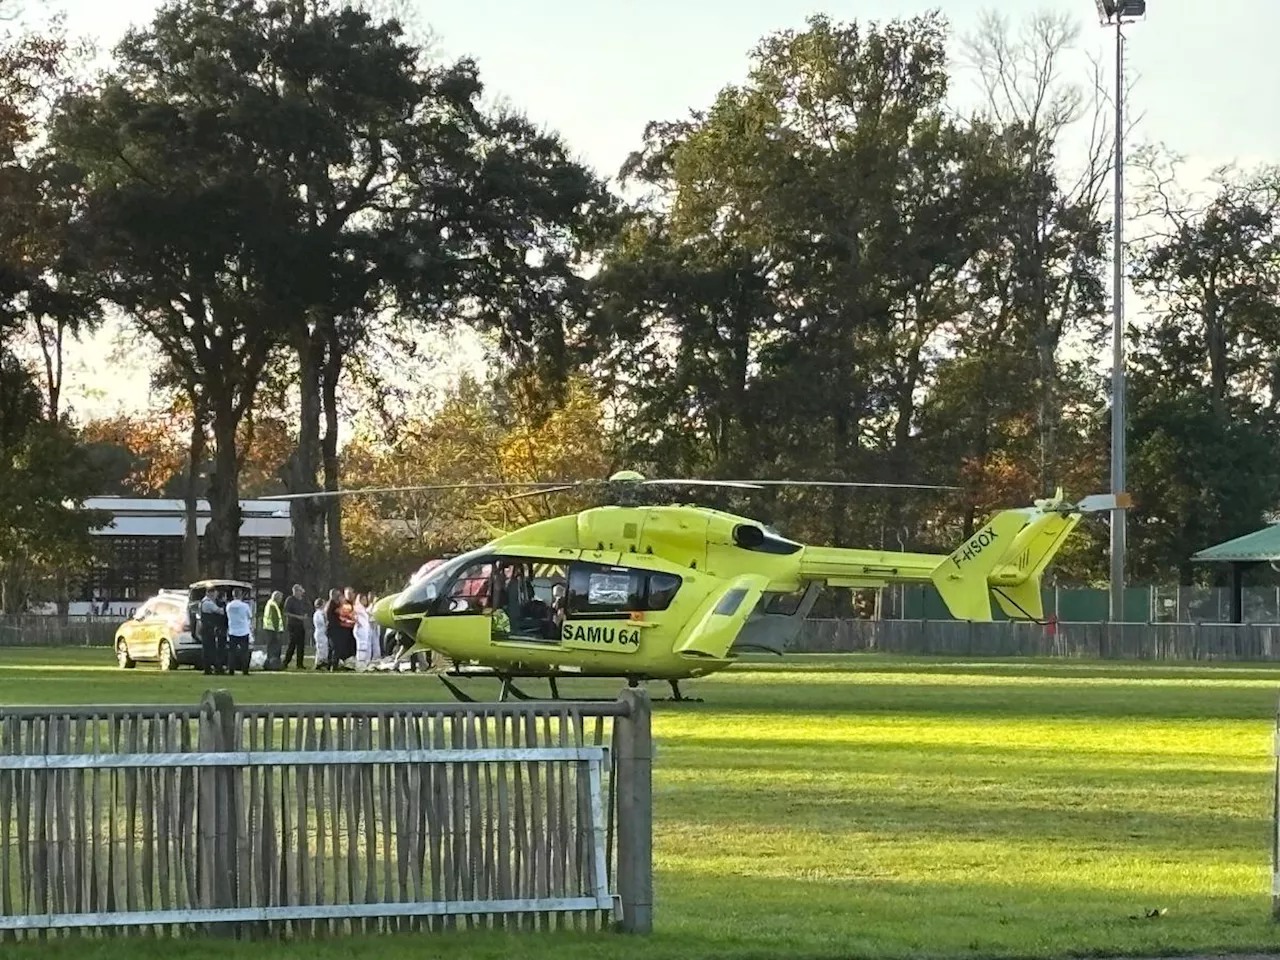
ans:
(598, 70)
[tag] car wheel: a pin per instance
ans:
(166, 656)
(122, 655)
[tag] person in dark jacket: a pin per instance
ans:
(297, 615)
(213, 633)
(336, 632)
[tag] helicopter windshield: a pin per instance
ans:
(422, 590)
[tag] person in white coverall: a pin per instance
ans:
(364, 633)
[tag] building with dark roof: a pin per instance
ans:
(141, 551)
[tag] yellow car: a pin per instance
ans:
(164, 630)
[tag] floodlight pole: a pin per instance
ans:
(1118, 412)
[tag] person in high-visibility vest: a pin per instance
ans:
(273, 627)
(500, 624)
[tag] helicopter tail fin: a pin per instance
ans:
(1008, 557)
(963, 577)
(1017, 585)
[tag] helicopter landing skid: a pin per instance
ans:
(677, 696)
(510, 691)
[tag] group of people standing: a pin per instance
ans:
(225, 627)
(345, 635)
(342, 627)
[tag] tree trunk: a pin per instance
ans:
(899, 462)
(332, 372)
(191, 495)
(51, 349)
(1046, 350)
(222, 536)
(306, 516)
(1215, 335)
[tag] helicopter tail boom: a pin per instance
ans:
(1006, 557)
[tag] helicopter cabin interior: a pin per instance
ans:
(535, 596)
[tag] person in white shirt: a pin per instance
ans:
(320, 626)
(239, 625)
(364, 633)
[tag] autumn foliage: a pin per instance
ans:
(477, 436)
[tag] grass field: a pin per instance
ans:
(869, 807)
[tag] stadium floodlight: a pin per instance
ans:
(1120, 11)
(1116, 13)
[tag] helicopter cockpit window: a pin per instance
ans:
(471, 591)
(423, 593)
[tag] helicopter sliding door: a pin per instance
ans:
(607, 603)
(496, 599)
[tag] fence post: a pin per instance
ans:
(634, 745)
(217, 811)
(1275, 825)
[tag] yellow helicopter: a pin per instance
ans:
(675, 592)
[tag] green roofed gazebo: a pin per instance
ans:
(1261, 546)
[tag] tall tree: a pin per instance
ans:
(805, 247)
(1206, 367)
(181, 226)
(1046, 278)
(383, 195)
(44, 533)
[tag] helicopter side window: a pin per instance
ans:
(662, 590)
(595, 589)
(601, 590)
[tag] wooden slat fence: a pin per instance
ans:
(34, 630)
(1275, 823)
(1106, 641)
(315, 820)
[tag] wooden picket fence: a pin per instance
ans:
(33, 630)
(308, 820)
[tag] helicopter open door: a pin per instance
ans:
(722, 617)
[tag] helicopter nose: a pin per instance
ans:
(381, 613)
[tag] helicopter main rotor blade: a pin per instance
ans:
(559, 489)
(356, 491)
(737, 484)
(844, 483)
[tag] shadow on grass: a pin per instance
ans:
(959, 758)
(941, 818)
(950, 665)
(710, 917)
(997, 701)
